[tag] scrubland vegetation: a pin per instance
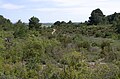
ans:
(88, 50)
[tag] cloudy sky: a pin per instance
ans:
(53, 10)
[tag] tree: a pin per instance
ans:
(118, 27)
(20, 29)
(70, 22)
(57, 23)
(5, 24)
(63, 22)
(114, 18)
(34, 23)
(97, 17)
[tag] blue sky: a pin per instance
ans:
(53, 10)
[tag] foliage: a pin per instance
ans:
(97, 17)
(20, 29)
(34, 23)
(5, 24)
(74, 51)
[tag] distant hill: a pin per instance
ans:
(47, 24)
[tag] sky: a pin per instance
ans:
(55, 10)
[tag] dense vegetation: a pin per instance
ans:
(65, 50)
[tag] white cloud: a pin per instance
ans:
(57, 9)
(79, 7)
(69, 3)
(35, 0)
(10, 6)
(38, 0)
(45, 9)
(65, 11)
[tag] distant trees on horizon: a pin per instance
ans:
(97, 18)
